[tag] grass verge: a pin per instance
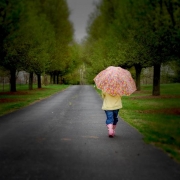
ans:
(156, 117)
(23, 97)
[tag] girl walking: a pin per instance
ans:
(111, 106)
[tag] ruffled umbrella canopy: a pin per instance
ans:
(115, 81)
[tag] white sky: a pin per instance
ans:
(80, 11)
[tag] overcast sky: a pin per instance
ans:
(80, 11)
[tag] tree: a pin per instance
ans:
(161, 28)
(58, 15)
(147, 34)
(11, 14)
(35, 37)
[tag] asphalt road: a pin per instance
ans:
(64, 137)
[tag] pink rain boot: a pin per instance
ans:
(114, 127)
(110, 130)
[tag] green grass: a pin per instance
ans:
(23, 97)
(156, 117)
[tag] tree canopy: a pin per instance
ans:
(35, 36)
(128, 33)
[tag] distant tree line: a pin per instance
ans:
(37, 37)
(139, 34)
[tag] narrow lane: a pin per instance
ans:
(64, 138)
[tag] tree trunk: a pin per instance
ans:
(54, 78)
(39, 80)
(30, 80)
(13, 80)
(45, 80)
(138, 69)
(61, 80)
(51, 78)
(57, 82)
(156, 80)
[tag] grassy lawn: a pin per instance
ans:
(156, 117)
(23, 97)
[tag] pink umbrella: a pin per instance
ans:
(115, 81)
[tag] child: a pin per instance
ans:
(111, 106)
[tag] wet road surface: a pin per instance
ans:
(64, 137)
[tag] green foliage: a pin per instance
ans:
(128, 33)
(3, 72)
(11, 13)
(57, 14)
(72, 78)
(35, 36)
(176, 67)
